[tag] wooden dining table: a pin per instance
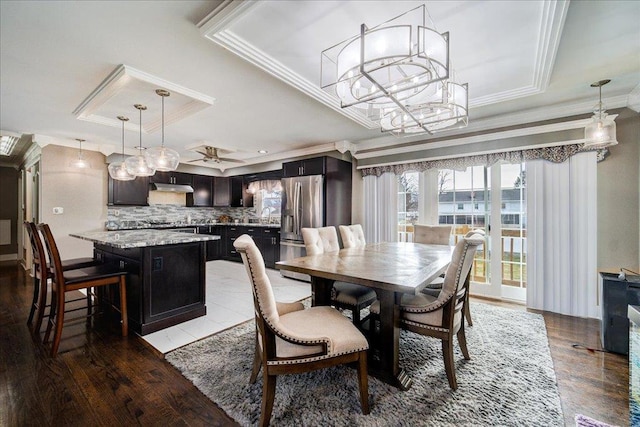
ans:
(392, 269)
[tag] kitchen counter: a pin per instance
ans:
(124, 239)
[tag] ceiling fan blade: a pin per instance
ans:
(196, 160)
(204, 153)
(230, 160)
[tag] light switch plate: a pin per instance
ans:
(58, 211)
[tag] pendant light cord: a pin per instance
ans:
(162, 121)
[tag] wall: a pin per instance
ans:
(618, 197)
(82, 193)
(9, 209)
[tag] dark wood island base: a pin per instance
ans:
(165, 284)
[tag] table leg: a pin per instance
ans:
(384, 352)
(321, 291)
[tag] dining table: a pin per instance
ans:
(392, 269)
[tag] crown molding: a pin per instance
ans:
(255, 56)
(224, 15)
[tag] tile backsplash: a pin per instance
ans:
(174, 214)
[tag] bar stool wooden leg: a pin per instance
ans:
(59, 321)
(123, 306)
(36, 298)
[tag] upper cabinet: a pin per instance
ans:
(132, 193)
(221, 191)
(315, 166)
(202, 195)
(171, 178)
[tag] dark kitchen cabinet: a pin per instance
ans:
(268, 241)
(202, 195)
(239, 196)
(171, 178)
(214, 247)
(221, 191)
(232, 233)
(315, 166)
(128, 193)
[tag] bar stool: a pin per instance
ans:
(72, 280)
(40, 289)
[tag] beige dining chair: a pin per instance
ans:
(435, 287)
(344, 295)
(352, 236)
(441, 317)
(432, 234)
(300, 340)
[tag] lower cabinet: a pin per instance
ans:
(267, 240)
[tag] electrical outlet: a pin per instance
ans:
(116, 212)
(58, 211)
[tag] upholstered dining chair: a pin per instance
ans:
(432, 234)
(299, 340)
(344, 295)
(441, 317)
(435, 287)
(42, 275)
(64, 281)
(352, 235)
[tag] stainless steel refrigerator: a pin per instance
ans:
(302, 206)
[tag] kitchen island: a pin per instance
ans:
(165, 274)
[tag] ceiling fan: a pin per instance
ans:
(211, 155)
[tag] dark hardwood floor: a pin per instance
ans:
(101, 378)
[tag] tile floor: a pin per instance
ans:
(229, 302)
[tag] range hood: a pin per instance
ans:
(172, 188)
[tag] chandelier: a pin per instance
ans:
(601, 132)
(398, 74)
(163, 158)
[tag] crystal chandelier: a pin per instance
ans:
(601, 132)
(138, 165)
(118, 170)
(80, 162)
(163, 158)
(398, 74)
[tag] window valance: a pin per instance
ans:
(268, 185)
(556, 154)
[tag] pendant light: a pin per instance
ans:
(138, 165)
(601, 132)
(118, 170)
(80, 162)
(163, 158)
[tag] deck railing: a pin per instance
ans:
(513, 244)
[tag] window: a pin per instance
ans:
(408, 193)
(463, 200)
(513, 225)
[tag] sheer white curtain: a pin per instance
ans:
(381, 208)
(562, 235)
(428, 200)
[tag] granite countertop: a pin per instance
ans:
(136, 225)
(125, 239)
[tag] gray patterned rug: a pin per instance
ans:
(509, 380)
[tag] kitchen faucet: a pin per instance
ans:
(268, 215)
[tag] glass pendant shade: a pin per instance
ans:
(162, 158)
(138, 165)
(118, 170)
(601, 131)
(80, 162)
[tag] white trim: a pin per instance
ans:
(9, 257)
(224, 15)
(633, 99)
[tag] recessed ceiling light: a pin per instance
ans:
(262, 151)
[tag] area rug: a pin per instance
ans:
(509, 380)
